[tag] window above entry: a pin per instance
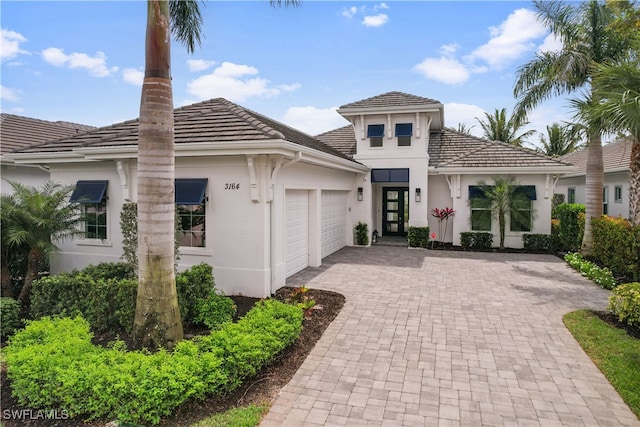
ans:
(89, 192)
(404, 132)
(190, 191)
(375, 133)
(390, 175)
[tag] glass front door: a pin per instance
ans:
(395, 211)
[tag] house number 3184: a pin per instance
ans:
(232, 186)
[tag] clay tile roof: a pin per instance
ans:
(342, 139)
(215, 120)
(17, 132)
(391, 99)
(615, 156)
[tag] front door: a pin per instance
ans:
(395, 221)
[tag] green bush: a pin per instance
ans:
(538, 242)
(600, 276)
(214, 311)
(362, 234)
(418, 237)
(194, 284)
(52, 364)
(9, 317)
(476, 241)
(108, 270)
(616, 244)
(571, 227)
(624, 302)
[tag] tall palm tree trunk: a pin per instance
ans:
(634, 183)
(594, 183)
(157, 321)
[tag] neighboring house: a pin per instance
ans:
(616, 157)
(261, 201)
(17, 132)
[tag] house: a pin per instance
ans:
(616, 158)
(17, 132)
(261, 201)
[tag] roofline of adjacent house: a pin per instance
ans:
(558, 170)
(248, 147)
(579, 174)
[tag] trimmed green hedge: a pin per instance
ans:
(418, 237)
(616, 244)
(624, 302)
(476, 241)
(53, 364)
(539, 242)
(571, 227)
(9, 317)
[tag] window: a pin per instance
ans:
(375, 133)
(190, 203)
(480, 214)
(521, 218)
(571, 195)
(617, 197)
(605, 200)
(404, 131)
(92, 197)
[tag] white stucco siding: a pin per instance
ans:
(440, 197)
(541, 207)
(616, 208)
(333, 221)
(30, 176)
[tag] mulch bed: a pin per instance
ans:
(263, 387)
(612, 319)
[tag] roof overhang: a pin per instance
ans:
(519, 170)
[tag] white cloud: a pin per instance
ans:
(8, 94)
(234, 82)
(314, 120)
(380, 6)
(350, 12)
(10, 44)
(443, 69)
(133, 76)
(465, 114)
(375, 20)
(96, 65)
(511, 39)
(200, 64)
(550, 44)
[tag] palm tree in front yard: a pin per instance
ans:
(497, 127)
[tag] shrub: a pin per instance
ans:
(193, 285)
(624, 302)
(52, 364)
(476, 241)
(571, 228)
(9, 317)
(418, 237)
(538, 242)
(362, 234)
(600, 276)
(108, 270)
(616, 244)
(214, 311)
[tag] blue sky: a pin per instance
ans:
(83, 61)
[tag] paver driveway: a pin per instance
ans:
(449, 338)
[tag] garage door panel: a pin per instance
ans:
(296, 231)
(333, 221)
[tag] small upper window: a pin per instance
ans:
(375, 133)
(618, 194)
(92, 196)
(404, 132)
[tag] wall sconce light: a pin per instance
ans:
(360, 196)
(418, 195)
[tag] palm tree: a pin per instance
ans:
(506, 199)
(560, 140)
(587, 40)
(497, 127)
(618, 88)
(464, 128)
(37, 218)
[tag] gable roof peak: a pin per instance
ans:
(391, 99)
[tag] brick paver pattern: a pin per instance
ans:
(438, 338)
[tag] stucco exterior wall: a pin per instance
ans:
(440, 197)
(616, 208)
(30, 176)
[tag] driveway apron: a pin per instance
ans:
(438, 338)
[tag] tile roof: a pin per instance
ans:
(18, 131)
(215, 120)
(391, 99)
(450, 148)
(615, 156)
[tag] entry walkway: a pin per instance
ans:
(435, 338)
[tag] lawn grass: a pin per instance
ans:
(615, 352)
(246, 416)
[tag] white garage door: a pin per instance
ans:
(296, 220)
(334, 221)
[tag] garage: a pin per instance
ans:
(333, 221)
(296, 231)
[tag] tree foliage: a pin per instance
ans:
(499, 127)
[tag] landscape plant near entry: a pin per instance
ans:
(362, 234)
(442, 215)
(418, 237)
(600, 276)
(539, 242)
(476, 241)
(53, 364)
(624, 302)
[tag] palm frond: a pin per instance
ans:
(186, 22)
